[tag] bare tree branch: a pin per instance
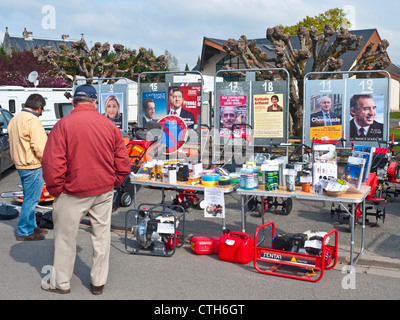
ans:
(325, 49)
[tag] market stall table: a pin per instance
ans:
(350, 197)
(179, 185)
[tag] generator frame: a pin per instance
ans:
(313, 266)
(154, 210)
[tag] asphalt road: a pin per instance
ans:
(185, 276)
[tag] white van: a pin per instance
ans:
(13, 99)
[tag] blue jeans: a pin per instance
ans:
(32, 184)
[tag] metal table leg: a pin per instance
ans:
(243, 209)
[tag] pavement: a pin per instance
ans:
(381, 241)
(381, 256)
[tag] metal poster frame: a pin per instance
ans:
(268, 127)
(341, 90)
(119, 90)
(162, 89)
(192, 85)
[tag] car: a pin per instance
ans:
(5, 157)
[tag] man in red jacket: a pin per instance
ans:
(84, 159)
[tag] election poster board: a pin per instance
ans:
(250, 112)
(368, 108)
(111, 99)
(270, 104)
(252, 105)
(323, 113)
(358, 110)
(157, 100)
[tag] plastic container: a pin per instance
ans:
(215, 241)
(249, 178)
(290, 177)
(236, 247)
(202, 245)
(255, 176)
(243, 177)
(159, 166)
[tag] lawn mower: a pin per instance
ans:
(188, 199)
(387, 169)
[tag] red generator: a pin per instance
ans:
(236, 247)
(308, 265)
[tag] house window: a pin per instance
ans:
(234, 63)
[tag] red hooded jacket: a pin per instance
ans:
(85, 154)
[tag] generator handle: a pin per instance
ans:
(335, 250)
(262, 227)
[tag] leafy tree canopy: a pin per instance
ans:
(336, 17)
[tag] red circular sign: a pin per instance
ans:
(175, 132)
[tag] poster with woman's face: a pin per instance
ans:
(268, 116)
(111, 107)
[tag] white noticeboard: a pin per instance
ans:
(215, 203)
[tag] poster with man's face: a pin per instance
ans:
(326, 116)
(185, 102)
(366, 117)
(154, 105)
(233, 113)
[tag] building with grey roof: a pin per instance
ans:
(29, 42)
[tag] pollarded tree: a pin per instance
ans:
(99, 61)
(324, 49)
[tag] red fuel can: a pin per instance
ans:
(215, 241)
(236, 247)
(202, 245)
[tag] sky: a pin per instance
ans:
(179, 26)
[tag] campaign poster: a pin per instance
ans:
(154, 105)
(185, 102)
(326, 116)
(268, 116)
(233, 112)
(366, 117)
(112, 106)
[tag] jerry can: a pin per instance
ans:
(215, 241)
(201, 245)
(236, 247)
